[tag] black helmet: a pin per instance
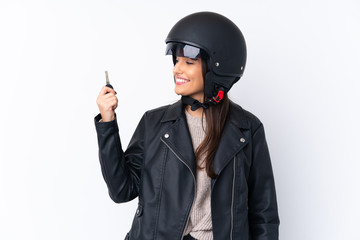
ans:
(220, 39)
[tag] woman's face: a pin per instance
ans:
(188, 78)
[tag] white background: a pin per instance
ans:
(301, 80)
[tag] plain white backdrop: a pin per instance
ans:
(301, 80)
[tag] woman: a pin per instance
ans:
(200, 167)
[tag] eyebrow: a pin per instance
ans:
(194, 59)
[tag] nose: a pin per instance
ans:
(178, 67)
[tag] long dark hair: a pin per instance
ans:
(216, 116)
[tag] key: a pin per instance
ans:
(108, 81)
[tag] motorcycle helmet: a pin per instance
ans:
(223, 43)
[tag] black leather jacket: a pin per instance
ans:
(159, 168)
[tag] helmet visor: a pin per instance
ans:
(182, 50)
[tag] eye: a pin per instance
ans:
(187, 62)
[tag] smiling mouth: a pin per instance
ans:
(181, 81)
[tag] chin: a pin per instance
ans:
(179, 92)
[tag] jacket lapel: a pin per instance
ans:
(229, 145)
(232, 139)
(177, 136)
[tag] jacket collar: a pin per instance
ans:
(173, 112)
(237, 115)
(232, 140)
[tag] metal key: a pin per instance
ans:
(107, 80)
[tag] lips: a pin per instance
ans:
(181, 81)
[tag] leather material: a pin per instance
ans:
(159, 168)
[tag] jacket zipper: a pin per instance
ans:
(232, 203)
(194, 184)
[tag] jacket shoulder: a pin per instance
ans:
(156, 114)
(243, 118)
(157, 110)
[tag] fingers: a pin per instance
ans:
(110, 101)
(109, 95)
(106, 89)
(107, 102)
(115, 106)
(104, 94)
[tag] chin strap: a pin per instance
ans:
(195, 104)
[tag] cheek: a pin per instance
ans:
(199, 79)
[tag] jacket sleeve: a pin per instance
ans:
(121, 170)
(263, 213)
